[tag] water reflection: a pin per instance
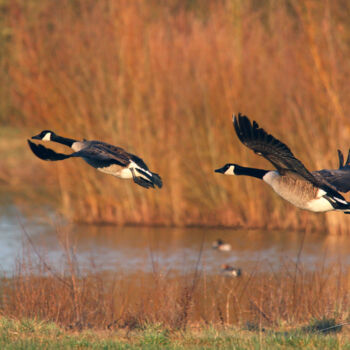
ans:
(133, 249)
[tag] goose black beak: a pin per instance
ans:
(36, 137)
(220, 170)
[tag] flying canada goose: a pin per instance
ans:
(219, 244)
(316, 191)
(104, 157)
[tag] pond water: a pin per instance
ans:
(133, 249)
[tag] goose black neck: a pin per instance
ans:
(258, 173)
(62, 140)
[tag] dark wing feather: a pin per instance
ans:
(341, 159)
(270, 148)
(338, 178)
(45, 153)
(118, 154)
(99, 154)
(139, 161)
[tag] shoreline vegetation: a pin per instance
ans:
(292, 299)
(291, 308)
(34, 334)
(162, 79)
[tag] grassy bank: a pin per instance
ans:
(162, 80)
(30, 334)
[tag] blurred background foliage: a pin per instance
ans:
(162, 79)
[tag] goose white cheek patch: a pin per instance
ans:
(47, 137)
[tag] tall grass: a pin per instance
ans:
(162, 80)
(101, 302)
(76, 299)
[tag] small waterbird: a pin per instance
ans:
(316, 191)
(231, 271)
(219, 244)
(104, 157)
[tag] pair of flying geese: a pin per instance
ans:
(317, 191)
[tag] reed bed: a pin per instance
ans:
(292, 297)
(162, 80)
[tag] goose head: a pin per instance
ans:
(216, 244)
(227, 169)
(45, 135)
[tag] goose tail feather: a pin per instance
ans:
(149, 177)
(156, 179)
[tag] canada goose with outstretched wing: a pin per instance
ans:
(316, 191)
(104, 157)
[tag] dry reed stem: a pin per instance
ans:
(100, 302)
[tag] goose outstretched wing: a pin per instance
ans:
(338, 178)
(100, 154)
(266, 145)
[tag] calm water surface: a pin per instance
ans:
(132, 249)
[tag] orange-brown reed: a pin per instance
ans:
(162, 78)
(291, 297)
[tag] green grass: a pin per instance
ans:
(30, 334)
